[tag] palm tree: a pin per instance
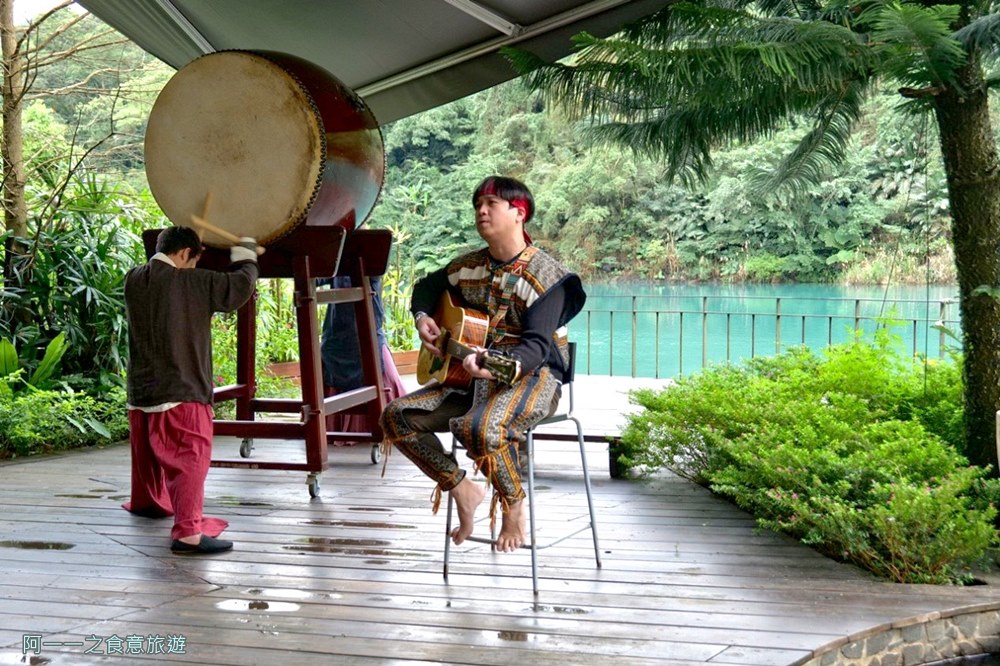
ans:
(695, 76)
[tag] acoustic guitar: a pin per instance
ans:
(462, 329)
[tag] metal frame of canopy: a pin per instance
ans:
(401, 56)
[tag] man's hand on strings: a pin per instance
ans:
(429, 333)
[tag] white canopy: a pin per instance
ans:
(401, 56)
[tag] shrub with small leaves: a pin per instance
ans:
(854, 451)
(38, 421)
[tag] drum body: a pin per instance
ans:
(261, 144)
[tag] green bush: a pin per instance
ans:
(36, 421)
(764, 267)
(855, 451)
(71, 283)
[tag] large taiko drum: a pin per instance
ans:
(270, 142)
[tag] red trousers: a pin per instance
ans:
(171, 454)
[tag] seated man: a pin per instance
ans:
(529, 297)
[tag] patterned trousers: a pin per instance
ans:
(490, 421)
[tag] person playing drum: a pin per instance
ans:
(528, 297)
(169, 304)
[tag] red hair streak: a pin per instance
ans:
(522, 205)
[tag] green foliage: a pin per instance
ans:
(47, 367)
(40, 376)
(855, 452)
(436, 139)
(764, 267)
(609, 212)
(696, 76)
(224, 360)
(71, 283)
(397, 283)
(8, 358)
(915, 43)
(105, 91)
(277, 331)
(36, 419)
(39, 421)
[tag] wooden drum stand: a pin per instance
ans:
(306, 255)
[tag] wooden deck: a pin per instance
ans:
(354, 576)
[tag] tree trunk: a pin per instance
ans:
(969, 150)
(12, 150)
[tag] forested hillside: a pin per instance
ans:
(881, 217)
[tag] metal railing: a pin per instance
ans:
(644, 339)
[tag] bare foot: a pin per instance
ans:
(467, 495)
(511, 535)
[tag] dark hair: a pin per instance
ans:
(507, 189)
(174, 239)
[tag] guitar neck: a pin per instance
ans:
(458, 350)
(504, 369)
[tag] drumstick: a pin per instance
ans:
(218, 231)
(204, 216)
(204, 209)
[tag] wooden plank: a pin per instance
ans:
(687, 577)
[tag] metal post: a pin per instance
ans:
(942, 317)
(704, 332)
(680, 364)
(611, 343)
(635, 324)
(777, 325)
(656, 349)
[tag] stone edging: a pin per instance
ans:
(921, 639)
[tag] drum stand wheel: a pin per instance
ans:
(313, 482)
(376, 453)
(246, 447)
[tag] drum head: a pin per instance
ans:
(237, 130)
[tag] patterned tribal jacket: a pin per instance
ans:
(530, 280)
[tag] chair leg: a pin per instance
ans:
(447, 537)
(533, 540)
(533, 543)
(447, 525)
(586, 483)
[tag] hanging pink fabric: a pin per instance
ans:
(171, 455)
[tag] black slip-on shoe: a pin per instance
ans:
(207, 546)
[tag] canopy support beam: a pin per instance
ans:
(486, 48)
(185, 26)
(487, 16)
